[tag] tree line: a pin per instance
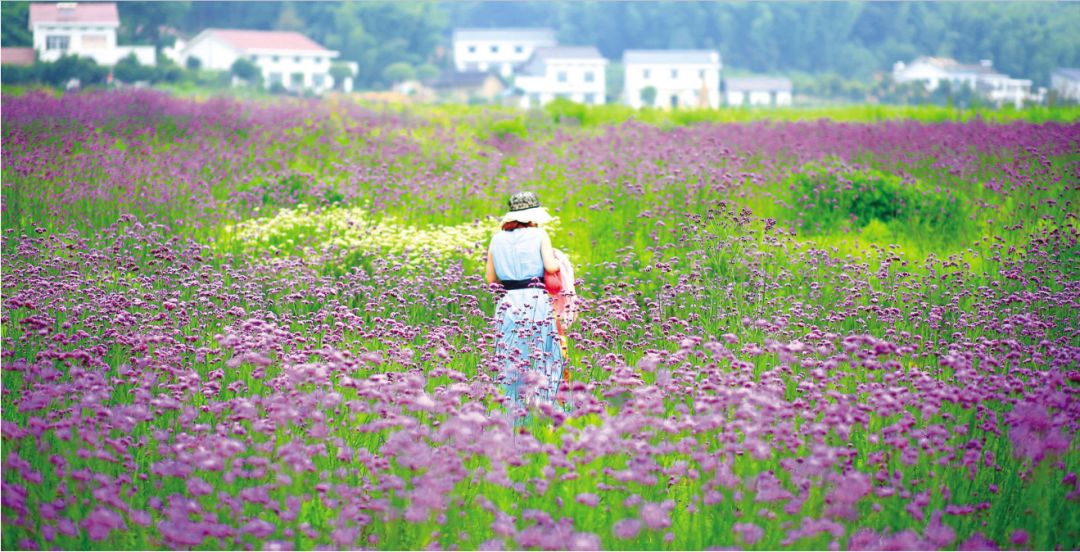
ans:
(838, 40)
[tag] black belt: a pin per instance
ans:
(522, 284)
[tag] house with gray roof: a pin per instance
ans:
(755, 91)
(671, 78)
(498, 49)
(572, 72)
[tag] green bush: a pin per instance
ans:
(21, 74)
(829, 199)
(130, 70)
(562, 110)
(510, 127)
(246, 70)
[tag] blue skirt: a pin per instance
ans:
(528, 346)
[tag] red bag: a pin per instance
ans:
(553, 282)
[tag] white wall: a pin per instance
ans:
(1003, 90)
(540, 90)
(313, 67)
(213, 53)
(758, 97)
(508, 54)
(685, 84)
(275, 66)
(1065, 88)
(931, 75)
(94, 41)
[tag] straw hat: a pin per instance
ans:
(525, 207)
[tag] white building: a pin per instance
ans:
(574, 73)
(1002, 89)
(980, 78)
(677, 78)
(1065, 83)
(85, 29)
(498, 49)
(284, 57)
(757, 91)
(932, 72)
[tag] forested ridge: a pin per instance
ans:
(854, 40)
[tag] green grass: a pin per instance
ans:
(747, 272)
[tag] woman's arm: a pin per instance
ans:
(551, 264)
(490, 273)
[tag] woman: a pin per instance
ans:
(528, 346)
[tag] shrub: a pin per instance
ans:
(130, 70)
(509, 127)
(245, 70)
(828, 199)
(21, 74)
(562, 110)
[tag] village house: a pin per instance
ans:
(86, 29)
(755, 91)
(671, 78)
(1002, 89)
(1065, 83)
(576, 73)
(500, 50)
(287, 58)
(933, 71)
(979, 78)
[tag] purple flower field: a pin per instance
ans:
(792, 334)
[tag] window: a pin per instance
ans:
(472, 49)
(561, 76)
(645, 74)
(297, 59)
(296, 79)
(534, 99)
(274, 78)
(590, 98)
(494, 49)
(94, 41)
(254, 58)
(674, 73)
(318, 80)
(589, 76)
(57, 42)
(701, 74)
(519, 49)
(276, 59)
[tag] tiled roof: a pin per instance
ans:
(671, 57)
(71, 12)
(265, 40)
(757, 84)
(17, 56)
(523, 34)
